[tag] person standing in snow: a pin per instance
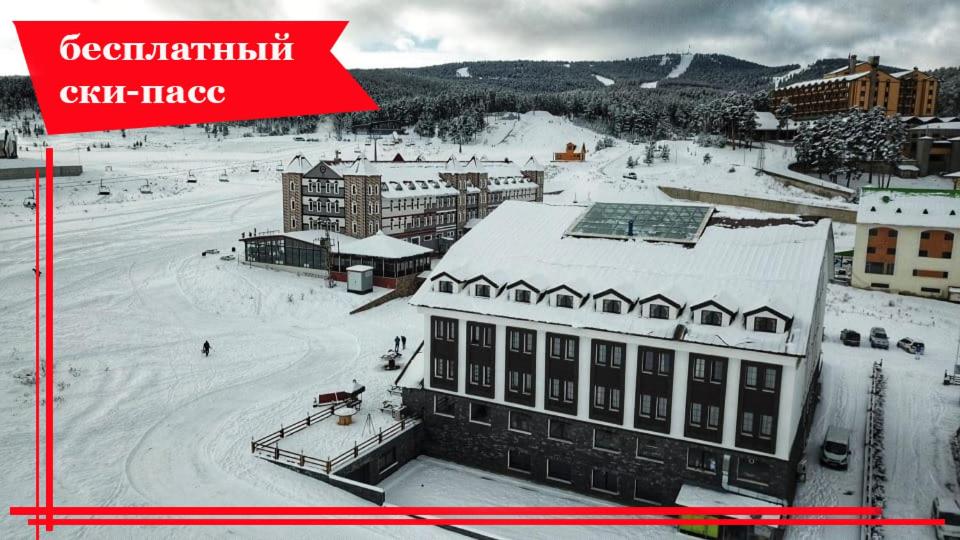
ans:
(396, 344)
(206, 348)
(403, 341)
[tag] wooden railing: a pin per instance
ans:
(269, 446)
(874, 471)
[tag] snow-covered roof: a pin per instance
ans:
(360, 268)
(899, 74)
(842, 78)
(743, 266)
(359, 167)
(401, 171)
(844, 68)
(379, 245)
(944, 126)
(299, 164)
(910, 207)
(692, 496)
(532, 165)
(766, 121)
(396, 189)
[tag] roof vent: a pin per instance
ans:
(925, 211)
(899, 211)
(953, 212)
(873, 208)
(885, 198)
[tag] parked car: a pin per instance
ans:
(850, 338)
(630, 176)
(948, 510)
(878, 338)
(911, 346)
(835, 450)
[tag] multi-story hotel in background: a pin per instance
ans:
(863, 85)
(429, 203)
(636, 352)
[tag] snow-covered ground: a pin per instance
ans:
(463, 72)
(603, 80)
(143, 419)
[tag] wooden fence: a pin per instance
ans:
(269, 446)
(874, 472)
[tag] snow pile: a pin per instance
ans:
(463, 72)
(603, 80)
(875, 471)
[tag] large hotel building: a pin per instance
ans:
(636, 352)
(428, 203)
(862, 85)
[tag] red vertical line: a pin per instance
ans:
(36, 348)
(48, 205)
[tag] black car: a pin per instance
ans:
(850, 338)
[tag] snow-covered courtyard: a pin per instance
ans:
(144, 419)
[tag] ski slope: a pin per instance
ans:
(678, 70)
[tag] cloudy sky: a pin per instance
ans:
(415, 33)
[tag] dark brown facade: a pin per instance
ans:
(706, 389)
(563, 353)
(443, 353)
(758, 407)
(654, 389)
(481, 358)
(606, 380)
(521, 364)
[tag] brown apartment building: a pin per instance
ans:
(428, 203)
(863, 85)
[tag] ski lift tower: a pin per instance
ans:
(761, 160)
(375, 130)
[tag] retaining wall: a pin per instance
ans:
(841, 215)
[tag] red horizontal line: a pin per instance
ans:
(442, 510)
(475, 522)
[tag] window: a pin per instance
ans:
(646, 405)
(615, 399)
(713, 417)
(564, 301)
(766, 426)
(700, 369)
(647, 361)
(558, 470)
(701, 460)
(746, 424)
(662, 408)
(522, 295)
(514, 341)
(750, 469)
(652, 452)
(520, 421)
(716, 371)
(711, 317)
(445, 286)
(695, 414)
(602, 480)
(765, 324)
(520, 383)
(616, 356)
(482, 291)
(554, 392)
(559, 430)
(611, 306)
(599, 397)
(479, 413)
(750, 379)
(659, 311)
(569, 392)
(605, 440)
(519, 461)
(443, 406)
(770, 379)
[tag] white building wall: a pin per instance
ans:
(791, 389)
(907, 260)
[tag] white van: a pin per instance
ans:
(835, 451)
(949, 511)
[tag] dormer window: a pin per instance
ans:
(611, 306)
(482, 290)
(659, 311)
(564, 301)
(710, 317)
(445, 287)
(522, 295)
(765, 324)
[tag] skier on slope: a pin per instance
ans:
(396, 344)
(206, 348)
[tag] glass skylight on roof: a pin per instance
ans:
(664, 222)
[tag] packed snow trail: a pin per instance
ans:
(678, 70)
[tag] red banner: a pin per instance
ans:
(91, 76)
